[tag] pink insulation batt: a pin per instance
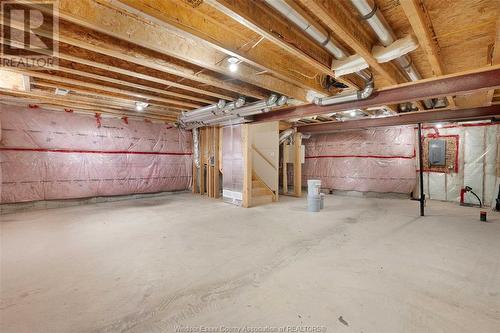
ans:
(373, 160)
(57, 155)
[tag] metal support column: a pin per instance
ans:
(421, 167)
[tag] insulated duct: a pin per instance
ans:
(196, 148)
(210, 111)
(353, 96)
(286, 134)
(232, 111)
(372, 15)
(322, 37)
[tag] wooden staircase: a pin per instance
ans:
(261, 194)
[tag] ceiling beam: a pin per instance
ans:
(99, 43)
(145, 77)
(147, 97)
(103, 17)
(410, 118)
(482, 79)
(494, 59)
(38, 98)
(334, 16)
(279, 32)
(105, 98)
(197, 25)
(422, 27)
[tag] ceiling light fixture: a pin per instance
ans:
(233, 64)
(140, 106)
(439, 125)
(353, 113)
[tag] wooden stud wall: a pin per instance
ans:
(209, 173)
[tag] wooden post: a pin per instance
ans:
(202, 160)
(284, 169)
(247, 165)
(297, 165)
(215, 166)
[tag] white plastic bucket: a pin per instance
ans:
(313, 187)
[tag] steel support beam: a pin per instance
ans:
(406, 119)
(456, 84)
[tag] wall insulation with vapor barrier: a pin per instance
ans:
(59, 155)
(471, 160)
(372, 160)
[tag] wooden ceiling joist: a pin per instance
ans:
(122, 71)
(99, 43)
(105, 98)
(279, 32)
(334, 16)
(134, 29)
(417, 16)
(147, 97)
(47, 100)
(198, 25)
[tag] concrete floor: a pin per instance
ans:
(150, 265)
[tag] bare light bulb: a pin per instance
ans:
(233, 67)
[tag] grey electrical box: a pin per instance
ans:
(437, 152)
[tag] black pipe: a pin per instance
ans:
(421, 162)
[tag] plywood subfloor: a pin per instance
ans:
(149, 265)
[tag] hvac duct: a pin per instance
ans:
(196, 148)
(320, 36)
(210, 111)
(323, 38)
(232, 112)
(370, 13)
(286, 134)
(206, 109)
(354, 96)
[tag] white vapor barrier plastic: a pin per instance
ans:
(477, 164)
(232, 165)
(58, 155)
(373, 160)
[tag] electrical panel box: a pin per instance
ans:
(437, 152)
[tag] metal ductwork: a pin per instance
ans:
(286, 134)
(319, 35)
(370, 13)
(322, 37)
(196, 148)
(210, 111)
(231, 111)
(354, 96)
